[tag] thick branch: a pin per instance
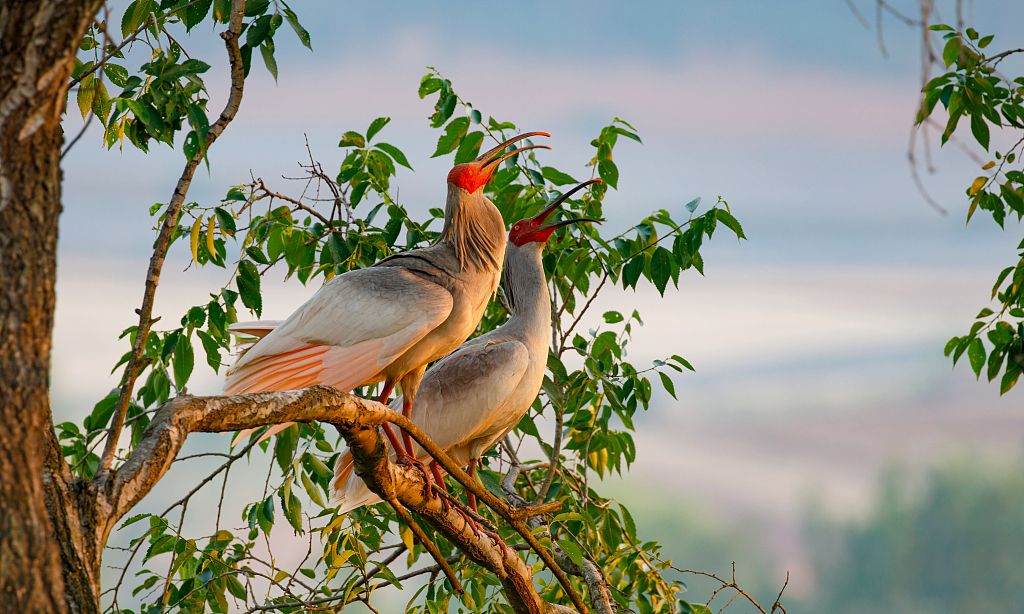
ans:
(132, 369)
(597, 584)
(511, 516)
(358, 419)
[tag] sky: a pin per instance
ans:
(827, 325)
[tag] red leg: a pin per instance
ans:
(390, 432)
(471, 500)
(470, 497)
(435, 470)
(407, 412)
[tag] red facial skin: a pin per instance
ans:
(470, 177)
(523, 232)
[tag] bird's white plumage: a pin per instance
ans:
(355, 325)
(466, 403)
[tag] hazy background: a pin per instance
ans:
(817, 343)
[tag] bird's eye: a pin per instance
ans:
(517, 227)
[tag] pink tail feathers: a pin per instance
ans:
(344, 368)
(348, 488)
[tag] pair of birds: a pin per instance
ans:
(385, 323)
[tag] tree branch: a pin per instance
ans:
(133, 368)
(117, 49)
(358, 420)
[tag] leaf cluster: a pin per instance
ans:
(973, 88)
(348, 220)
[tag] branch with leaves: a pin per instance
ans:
(545, 510)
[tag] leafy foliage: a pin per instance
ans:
(973, 88)
(590, 392)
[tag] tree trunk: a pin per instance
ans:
(38, 40)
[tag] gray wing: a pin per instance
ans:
(355, 325)
(465, 395)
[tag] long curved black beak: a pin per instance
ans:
(540, 217)
(575, 220)
(491, 157)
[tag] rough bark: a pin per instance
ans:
(38, 40)
(358, 420)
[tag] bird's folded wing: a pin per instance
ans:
(355, 325)
(465, 395)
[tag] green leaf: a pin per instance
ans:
(491, 481)
(183, 361)
(265, 514)
(317, 465)
(225, 221)
(133, 520)
(694, 608)
(249, 286)
(453, 133)
(267, 51)
(257, 254)
(86, 93)
(1009, 379)
(985, 41)
(445, 110)
(469, 148)
(312, 491)
(375, 127)
(285, 448)
(556, 176)
(609, 172)
(258, 30)
(976, 354)
(292, 509)
(730, 222)
(395, 153)
(570, 548)
(613, 317)
(196, 13)
(682, 361)
(661, 269)
(627, 133)
(428, 85)
(631, 271)
(170, 342)
(222, 10)
(135, 15)
(951, 50)
(256, 7)
(293, 21)
(352, 139)
(666, 381)
(212, 349)
(980, 130)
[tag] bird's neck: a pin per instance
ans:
(474, 228)
(527, 290)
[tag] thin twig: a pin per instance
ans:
(134, 35)
(170, 224)
(88, 121)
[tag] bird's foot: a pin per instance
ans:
(497, 542)
(404, 460)
(473, 524)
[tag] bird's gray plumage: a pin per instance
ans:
(474, 396)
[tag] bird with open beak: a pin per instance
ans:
(385, 323)
(472, 398)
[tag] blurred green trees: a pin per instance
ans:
(957, 547)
